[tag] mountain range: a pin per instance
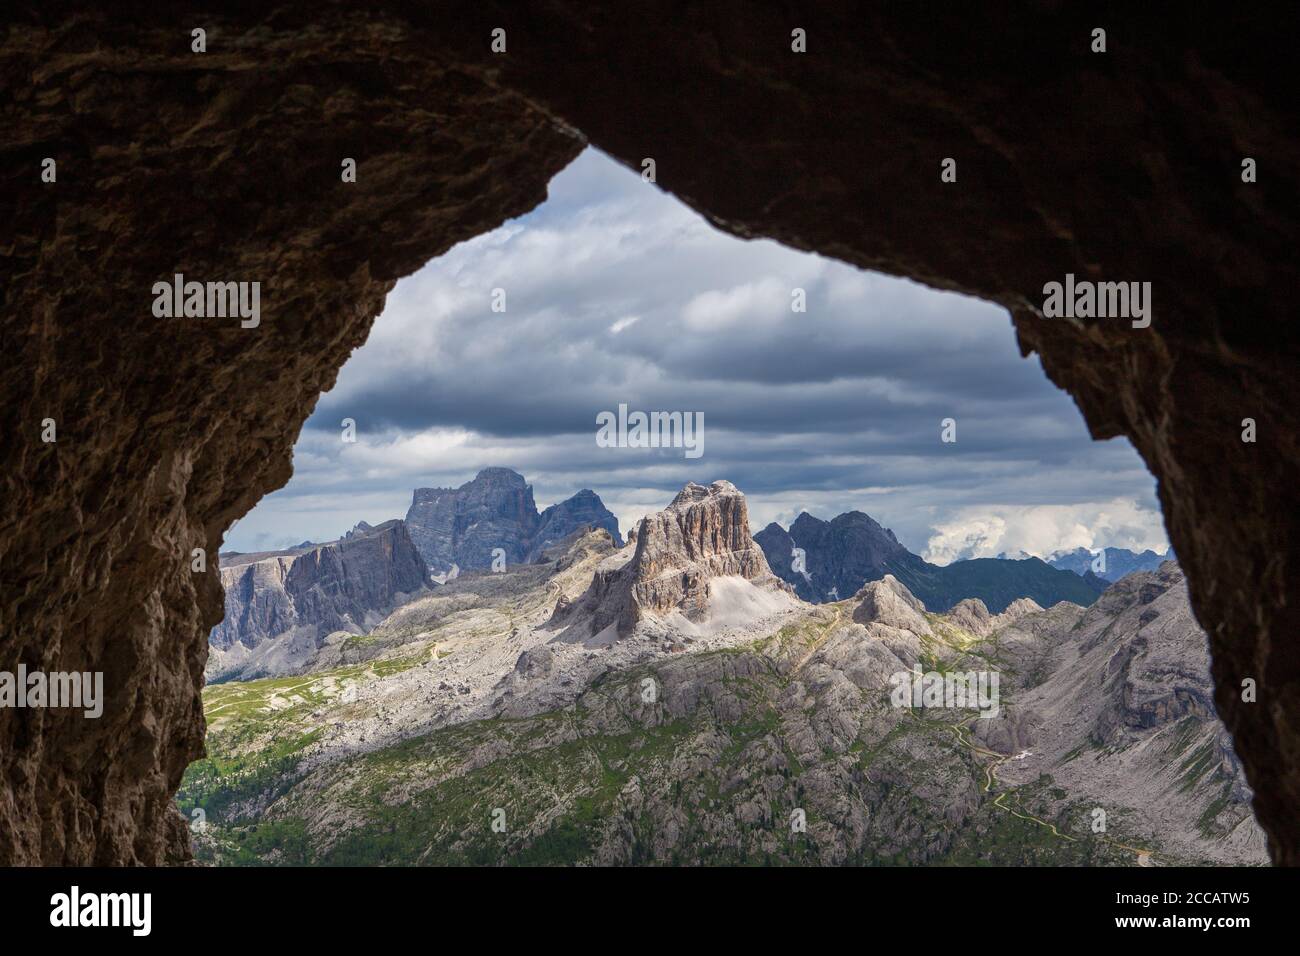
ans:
(275, 619)
(830, 560)
(281, 605)
(1114, 563)
(673, 701)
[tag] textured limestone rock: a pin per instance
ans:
(703, 534)
(225, 165)
(890, 603)
(1123, 710)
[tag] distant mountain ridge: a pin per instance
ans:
(466, 526)
(1115, 562)
(841, 555)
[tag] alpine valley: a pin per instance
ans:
(484, 683)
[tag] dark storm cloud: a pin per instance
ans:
(615, 293)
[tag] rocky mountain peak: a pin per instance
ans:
(1020, 607)
(973, 614)
(889, 602)
(466, 526)
(505, 476)
(693, 493)
(838, 555)
(680, 552)
(562, 520)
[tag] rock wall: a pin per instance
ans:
(225, 166)
(222, 166)
(463, 526)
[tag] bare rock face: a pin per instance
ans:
(170, 161)
(222, 166)
(702, 535)
(463, 526)
(1124, 708)
(306, 594)
(974, 616)
(839, 555)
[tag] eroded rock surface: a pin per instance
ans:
(695, 558)
(221, 166)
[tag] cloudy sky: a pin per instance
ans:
(616, 293)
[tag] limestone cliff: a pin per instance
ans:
(280, 606)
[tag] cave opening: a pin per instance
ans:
(855, 411)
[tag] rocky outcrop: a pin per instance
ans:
(888, 602)
(466, 526)
(841, 555)
(296, 598)
(1120, 706)
(701, 536)
(165, 439)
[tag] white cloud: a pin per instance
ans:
(1045, 529)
